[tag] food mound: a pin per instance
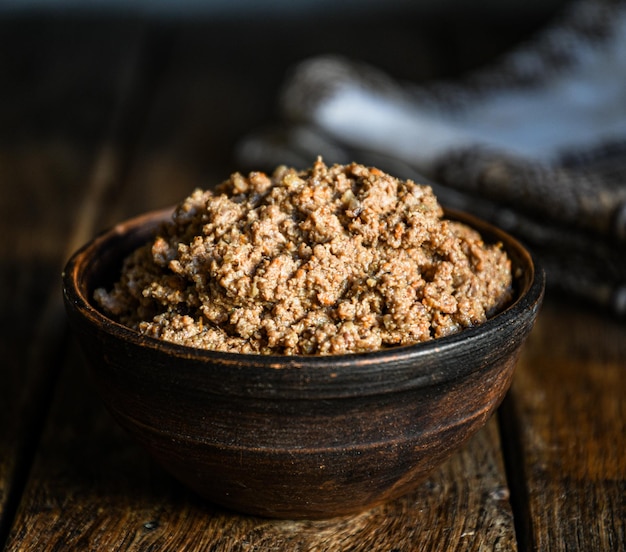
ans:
(329, 260)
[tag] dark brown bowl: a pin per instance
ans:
(297, 437)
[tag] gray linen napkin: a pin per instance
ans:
(535, 143)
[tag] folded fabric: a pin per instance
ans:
(535, 143)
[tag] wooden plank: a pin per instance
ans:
(50, 124)
(568, 408)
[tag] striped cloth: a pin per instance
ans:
(535, 143)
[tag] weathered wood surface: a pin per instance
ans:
(104, 120)
(568, 414)
(52, 127)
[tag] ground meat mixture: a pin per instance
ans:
(329, 260)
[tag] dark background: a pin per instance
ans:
(60, 61)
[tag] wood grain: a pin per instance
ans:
(568, 405)
(51, 126)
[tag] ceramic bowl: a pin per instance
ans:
(297, 437)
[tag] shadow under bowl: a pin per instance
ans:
(300, 436)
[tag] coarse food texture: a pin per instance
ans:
(329, 260)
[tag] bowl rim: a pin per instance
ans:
(527, 299)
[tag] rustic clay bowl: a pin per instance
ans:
(297, 437)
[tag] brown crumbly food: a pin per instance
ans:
(330, 260)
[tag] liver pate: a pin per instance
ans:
(329, 260)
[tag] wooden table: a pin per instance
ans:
(104, 118)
